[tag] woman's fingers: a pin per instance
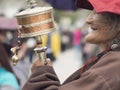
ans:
(39, 63)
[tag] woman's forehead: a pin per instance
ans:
(102, 14)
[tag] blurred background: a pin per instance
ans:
(66, 46)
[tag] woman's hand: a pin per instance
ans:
(39, 63)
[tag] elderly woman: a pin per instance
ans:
(102, 71)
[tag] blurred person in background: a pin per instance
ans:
(66, 39)
(49, 51)
(66, 34)
(22, 68)
(77, 37)
(8, 37)
(100, 72)
(53, 43)
(30, 45)
(8, 79)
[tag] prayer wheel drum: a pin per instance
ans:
(35, 21)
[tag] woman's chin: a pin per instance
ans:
(90, 39)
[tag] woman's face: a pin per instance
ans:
(100, 29)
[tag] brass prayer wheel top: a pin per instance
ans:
(35, 21)
(33, 11)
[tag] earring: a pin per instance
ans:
(114, 46)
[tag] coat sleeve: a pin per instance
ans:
(44, 78)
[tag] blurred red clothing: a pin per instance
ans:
(77, 35)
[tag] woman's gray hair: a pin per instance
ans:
(115, 20)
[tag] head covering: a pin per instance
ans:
(85, 4)
(8, 23)
(112, 6)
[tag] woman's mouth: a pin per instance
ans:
(93, 28)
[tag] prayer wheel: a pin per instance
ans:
(34, 22)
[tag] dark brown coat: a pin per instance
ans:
(104, 75)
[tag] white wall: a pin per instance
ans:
(10, 7)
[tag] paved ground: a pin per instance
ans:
(66, 64)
